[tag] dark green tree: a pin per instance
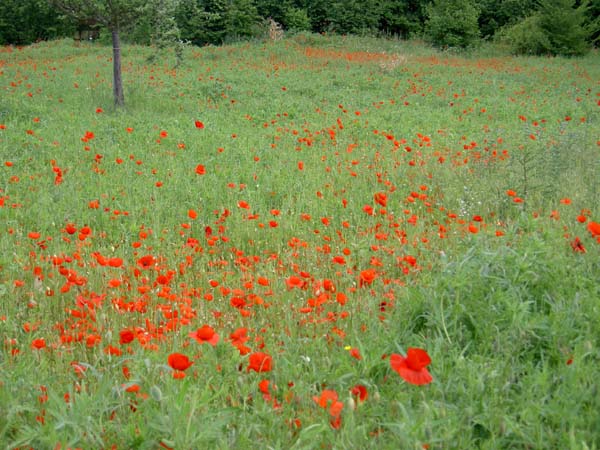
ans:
(319, 15)
(202, 21)
(274, 9)
(593, 21)
(452, 23)
(498, 13)
(403, 18)
(26, 21)
(564, 24)
(355, 16)
(242, 19)
(558, 27)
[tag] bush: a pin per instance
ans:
(564, 26)
(525, 37)
(297, 19)
(452, 23)
(557, 28)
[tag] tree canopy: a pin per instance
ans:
(445, 23)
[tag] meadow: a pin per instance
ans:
(318, 242)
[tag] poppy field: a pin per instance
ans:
(319, 242)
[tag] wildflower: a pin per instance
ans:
(381, 199)
(126, 336)
(355, 353)
(238, 339)
(577, 245)
(294, 282)
(205, 334)
(38, 344)
(367, 276)
(147, 261)
(260, 362)
(413, 367)
(199, 124)
(179, 362)
(594, 228)
(329, 398)
(360, 392)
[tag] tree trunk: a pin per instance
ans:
(117, 80)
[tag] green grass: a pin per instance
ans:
(300, 136)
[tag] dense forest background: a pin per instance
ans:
(567, 27)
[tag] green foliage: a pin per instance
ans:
(452, 23)
(296, 19)
(446, 23)
(525, 37)
(114, 14)
(354, 16)
(213, 21)
(403, 18)
(496, 14)
(556, 28)
(242, 19)
(319, 14)
(564, 25)
(164, 32)
(26, 21)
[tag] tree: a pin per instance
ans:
(403, 18)
(202, 21)
(558, 27)
(26, 21)
(242, 19)
(564, 25)
(354, 16)
(114, 15)
(496, 14)
(452, 23)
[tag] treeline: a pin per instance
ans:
(527, 26)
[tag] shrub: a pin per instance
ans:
(525, 37)
(557, 28)
(564, 26)
(452, 23)
(297, 19)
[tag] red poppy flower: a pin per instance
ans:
(330, 397)
(355, 353)
(238, 338)
(200, 169)
(145, 262)
(594, 228)
(179, 362)
(38, 344)
(413, 367)
(380, 198)
(367, 276)
(260, 362)
(360, 392)
(205, 334)
(126, 336)
(294, 282)
(577, 245)
(199, 124)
